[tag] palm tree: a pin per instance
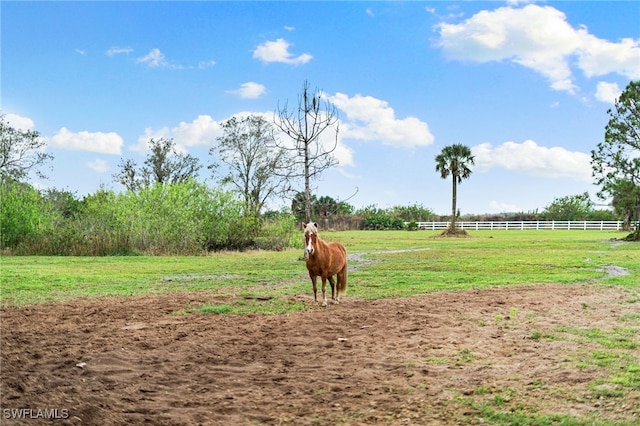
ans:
(454, 160)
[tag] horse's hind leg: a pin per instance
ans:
(335, 297)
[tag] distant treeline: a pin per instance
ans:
(192, 218)
(574, 208)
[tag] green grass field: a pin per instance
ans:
(386, 264)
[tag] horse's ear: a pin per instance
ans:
(315, 224)
(304, 225)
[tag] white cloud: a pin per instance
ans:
(371, 119)
(607, 92)
(278, 51)
(250, 90)
(532, 159)
(156, 59)
(600, 57)
(206, 64)
(98, 165)
(105, 143)
(118, 51)
(19, 122)
(539, 38)
(81, 52)
(202, 131)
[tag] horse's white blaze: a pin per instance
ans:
(309, 248)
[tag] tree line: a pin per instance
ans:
(165, 210)
(191, 218)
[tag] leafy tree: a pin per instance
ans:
(326, 206)
(454, 160)
(573, 207)
(298, 205)
(616, 161)
(65, 202)
(21, 151)
(323, 207)
(164, 165)
(343, 208)
(247, 147)
(626, 201)
(376, 218)
(304, 126)
(412, 213)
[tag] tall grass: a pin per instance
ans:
(187, 218)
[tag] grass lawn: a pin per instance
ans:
(384, 263)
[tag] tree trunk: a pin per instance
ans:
(453, 204)
(307, 189)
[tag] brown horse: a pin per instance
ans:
(324, 260)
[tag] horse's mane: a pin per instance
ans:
(311, 229)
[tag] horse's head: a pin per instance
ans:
(310, 236)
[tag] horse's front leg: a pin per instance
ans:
(335, 297)
(314, 280)
(324, 290)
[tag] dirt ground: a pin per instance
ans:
(429, 359)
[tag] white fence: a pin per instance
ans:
(601, 225)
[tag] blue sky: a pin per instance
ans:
(526, 85)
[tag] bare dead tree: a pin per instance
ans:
(304, 126)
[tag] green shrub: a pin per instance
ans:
(186, 218)
(277, 233)
(25, 214)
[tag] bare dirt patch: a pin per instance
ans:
(429, 359)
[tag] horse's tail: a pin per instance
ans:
(342, 278)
